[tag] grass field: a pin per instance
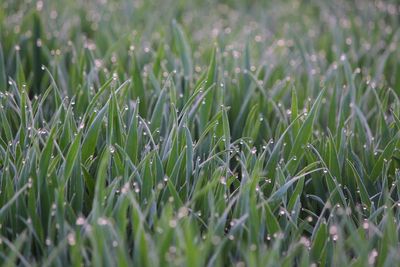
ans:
(199, 133)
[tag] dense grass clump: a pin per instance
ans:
(199, 133)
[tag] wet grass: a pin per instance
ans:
(183, 133)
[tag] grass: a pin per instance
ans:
(191, 133)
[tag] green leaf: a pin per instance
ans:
(3, 77)
(304, 135)
(90, 140)
(183, 48)
(138, 87)
(206, 107)
(385, 156)
(72, 156)
(271, 221)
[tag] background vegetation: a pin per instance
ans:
(199, 133)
